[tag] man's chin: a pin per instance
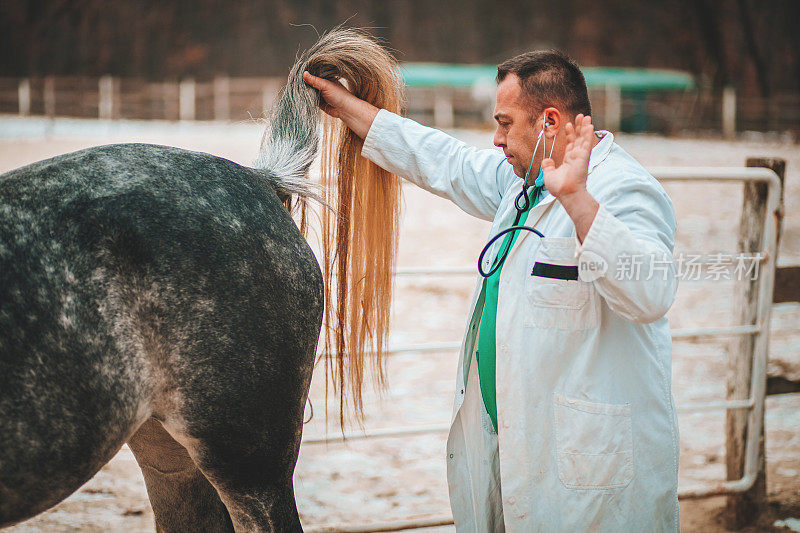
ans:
(520, 172)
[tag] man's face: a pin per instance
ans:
(516, 133)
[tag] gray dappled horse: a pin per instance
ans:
(164, 298)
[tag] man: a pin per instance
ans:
(564, 418)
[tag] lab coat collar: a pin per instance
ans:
(601, 149)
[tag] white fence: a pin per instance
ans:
(236, 98)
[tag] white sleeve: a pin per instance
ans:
(473, 179)
(633, 232)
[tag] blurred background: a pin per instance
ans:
(691, 83)
(673, 66)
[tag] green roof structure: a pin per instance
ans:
(433, 74)
(627, 79)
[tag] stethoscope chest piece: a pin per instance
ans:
(501, 257)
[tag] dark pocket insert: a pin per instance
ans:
(547, 270)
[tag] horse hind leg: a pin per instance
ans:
(181, 496)
(252, 475)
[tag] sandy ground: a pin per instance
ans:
(390, 478)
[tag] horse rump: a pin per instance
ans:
(141, 281)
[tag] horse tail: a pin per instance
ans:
(359, 235)
(291, 141)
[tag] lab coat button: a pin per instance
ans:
(506, 425)
(512, 500)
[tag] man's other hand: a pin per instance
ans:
(340, 103)
(333, 95)
(570, 176)
(567, 182)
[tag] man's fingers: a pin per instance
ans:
(570, 131)
(588, 130)
(322, 85)
(311, 80)
(578, 125)
(317, 82)
(586, 124)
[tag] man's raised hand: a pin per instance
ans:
(568, 181)
(570, 176)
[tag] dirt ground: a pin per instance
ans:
(389, 478)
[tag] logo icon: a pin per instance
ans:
(591, 266)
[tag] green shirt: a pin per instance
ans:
(487, 335)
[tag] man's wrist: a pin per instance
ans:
(581, 208)
(359, 116)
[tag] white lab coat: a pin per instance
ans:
(588, 436)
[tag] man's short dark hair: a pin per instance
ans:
(549, 78)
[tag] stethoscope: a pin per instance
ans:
(521, 203)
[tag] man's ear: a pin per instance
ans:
(554, 122)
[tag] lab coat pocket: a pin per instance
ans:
(558, 299)
(594, 443)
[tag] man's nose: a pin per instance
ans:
(499, 138)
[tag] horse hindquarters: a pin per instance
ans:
(229, 309)
(153, 281)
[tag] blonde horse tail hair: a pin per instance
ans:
(359, 235)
